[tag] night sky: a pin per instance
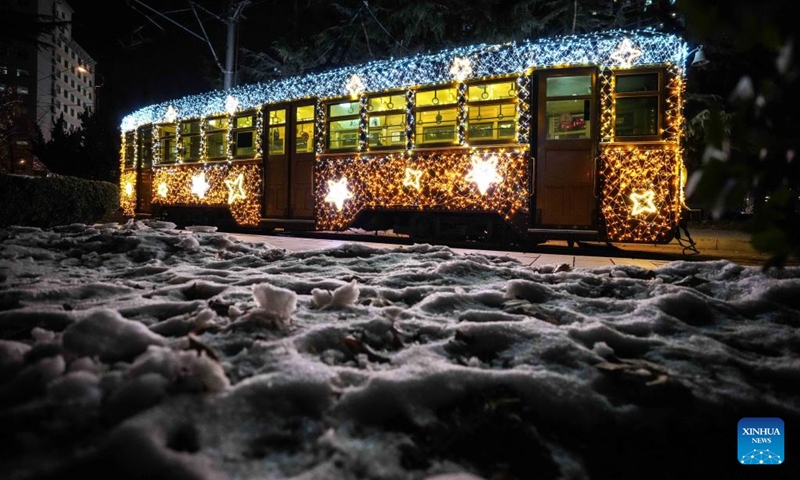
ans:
(141, 64)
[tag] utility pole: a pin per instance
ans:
(232, 20)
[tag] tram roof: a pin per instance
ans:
(612, 49)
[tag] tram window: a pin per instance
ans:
(190, 141)
(637, 105)
(386, 121)
(215, 145)
(304, 129)
(436, 116)
(244, 135)
(216, 138)
(145, 146)
(277, 132)
(568, 107)
(492, 111)
(129, 149)
(343, 120)
(169, 146)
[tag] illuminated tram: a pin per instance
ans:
(572, 137)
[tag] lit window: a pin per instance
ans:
(190, 141)
(22, 73)
(129, 149)
(244, 135)
(169, 148)
(22, 90)
(492, 110)
(277, 131)
(304, 129)
(216, 137)
(436, 116)
(343, 120)
(386, 121)
(3, 70)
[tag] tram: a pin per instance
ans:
(572, 137)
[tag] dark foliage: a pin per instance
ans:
(88, 152)
(50, 201)
(747, 122)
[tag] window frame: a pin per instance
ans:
(329, 119)
(208, 132)
(514, 101)
(386, 113)
(235, 131)
(658, 93)
(418, 132)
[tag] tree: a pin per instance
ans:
(87, 152)
(751, 127)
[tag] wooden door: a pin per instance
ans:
(289, 161)
(276, 162)
(566, 139)
(301, 165)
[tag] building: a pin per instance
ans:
(43, 77)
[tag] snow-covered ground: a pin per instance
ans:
(142, 351)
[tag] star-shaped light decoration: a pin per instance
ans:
(461, 68)
(412, 178)
(235, 189)
(129, 189)
(484, 172)
(163, 189)
(231, 104)
(626, 54)
(355, 86)
(171, 115)
(338, 193)
(199, 185)
(643, 202)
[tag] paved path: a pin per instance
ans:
(710, 245)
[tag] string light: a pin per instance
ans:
(178, 178)
(485, 60)
(643, 203)
(458, 179)
(484, 172)
(235, 189)
(412, 178)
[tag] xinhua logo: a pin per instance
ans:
(761, 441)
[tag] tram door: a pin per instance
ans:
(289, 163)
(144, 169)
(566, 137)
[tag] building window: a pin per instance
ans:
(386, 121)
(3, 70)
(22, 73)
(244, 130)
(3, 87)
(492, 110)
(568, 107)
(343, 120)
(638, 105)
(190, 141)
(216, 138)
(277, 131)
(22, 90)
(436, 116)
